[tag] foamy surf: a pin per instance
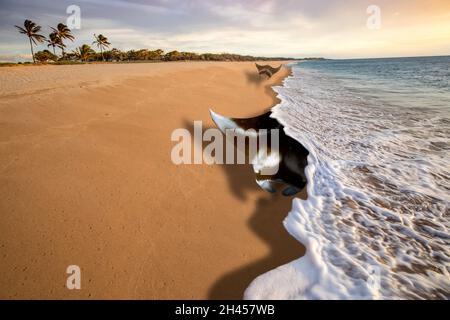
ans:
(375, 224)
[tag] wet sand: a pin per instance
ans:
(87, 179)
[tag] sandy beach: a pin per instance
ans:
(87, 180)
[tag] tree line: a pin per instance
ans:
(58, 37)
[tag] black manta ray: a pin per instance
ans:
(291, 156)
(267, 70)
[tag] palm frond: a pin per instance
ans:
(21, 30)
(38, 37)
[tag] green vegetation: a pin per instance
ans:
(45, 56)
(63, 33)
(312, 58)
(31, 29)
(54, 41)
(85, 53)
(9, 64)
(102, 42)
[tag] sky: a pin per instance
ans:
(289, 28)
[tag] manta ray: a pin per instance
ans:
(267, 70)
(291, 157)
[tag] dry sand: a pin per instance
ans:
(86, 179)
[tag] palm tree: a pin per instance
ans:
(31, 30)
(54, 41)
(84, 52)
(63, 32)
(102, 42)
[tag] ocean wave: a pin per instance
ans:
(376, 221)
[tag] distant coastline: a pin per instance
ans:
(143, 56)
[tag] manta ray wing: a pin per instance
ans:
(267, 70)
(275, 70)
(259, 67)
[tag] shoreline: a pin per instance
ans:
(88, 181)
(351, 202)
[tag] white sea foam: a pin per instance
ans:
(376, 221)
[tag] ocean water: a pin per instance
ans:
(376, 223)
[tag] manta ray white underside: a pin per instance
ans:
(272, 166)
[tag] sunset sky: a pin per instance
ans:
(294, 28)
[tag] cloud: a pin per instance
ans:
(332, 28)
(15, 57)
